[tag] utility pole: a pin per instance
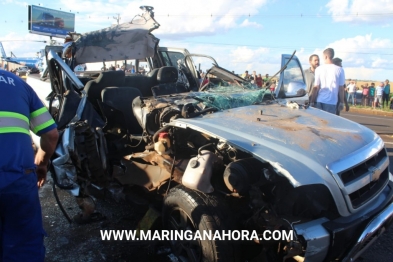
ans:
(117, 18)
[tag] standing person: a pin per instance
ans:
(253, 77)
(338, 62)
(273, 86)
(378, 95)
(329, 84)
(21, 229)
(386, 93)
(351, 89)
(365, 93)
(246, 75)
(266, 79)
(310, 74)
(259, 81)
(371, 94)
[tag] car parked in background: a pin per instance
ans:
(21, 71)
(33, 70)
(358, 96)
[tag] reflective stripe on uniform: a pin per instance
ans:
(40, 119)
(11, 122)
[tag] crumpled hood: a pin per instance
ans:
(299, 140)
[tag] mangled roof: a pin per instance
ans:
(131, 40)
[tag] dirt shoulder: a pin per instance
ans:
(370, 111)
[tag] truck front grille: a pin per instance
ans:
(361, 196)
(365, 180)
(359, 170)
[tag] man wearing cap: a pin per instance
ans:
(386, 93)
(310, 74)
(329, 84)
(21, 174)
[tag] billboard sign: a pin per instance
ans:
(45, 21)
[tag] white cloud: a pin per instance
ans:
(188, 18)
(262, 60)
(238, 59)
(376, 11)
(381, 63)
(26, 46)
(247, 23)
(362, 49)
(246, 54)
(364, 73)
(22, 4)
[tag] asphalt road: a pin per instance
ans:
(380, 124)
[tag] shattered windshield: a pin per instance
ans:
(226, 97)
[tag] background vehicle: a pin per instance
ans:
(220, 156)
(21, 71)
(33, 70)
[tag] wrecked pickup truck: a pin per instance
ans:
(221, 156)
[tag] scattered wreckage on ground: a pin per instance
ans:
(222, 156)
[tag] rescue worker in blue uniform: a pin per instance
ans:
(22, 173)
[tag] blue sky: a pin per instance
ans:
(240, 35)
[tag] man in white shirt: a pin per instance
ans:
(378, 95)
(329, 84)
(338, 62)
(351, 89)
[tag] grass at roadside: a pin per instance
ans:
(386, 108)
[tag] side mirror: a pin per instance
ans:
(295, 88)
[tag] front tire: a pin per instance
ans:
(186, 209)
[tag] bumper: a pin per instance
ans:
(373, 230)
(346, 241)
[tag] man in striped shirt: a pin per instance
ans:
(22, 173)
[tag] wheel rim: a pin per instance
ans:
(185, 250)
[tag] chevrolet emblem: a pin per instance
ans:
(373, 173)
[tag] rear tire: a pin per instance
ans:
(186, 209)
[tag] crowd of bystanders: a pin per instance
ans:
(260, 81)
(370, 95)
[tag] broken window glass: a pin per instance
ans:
(226, 96)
